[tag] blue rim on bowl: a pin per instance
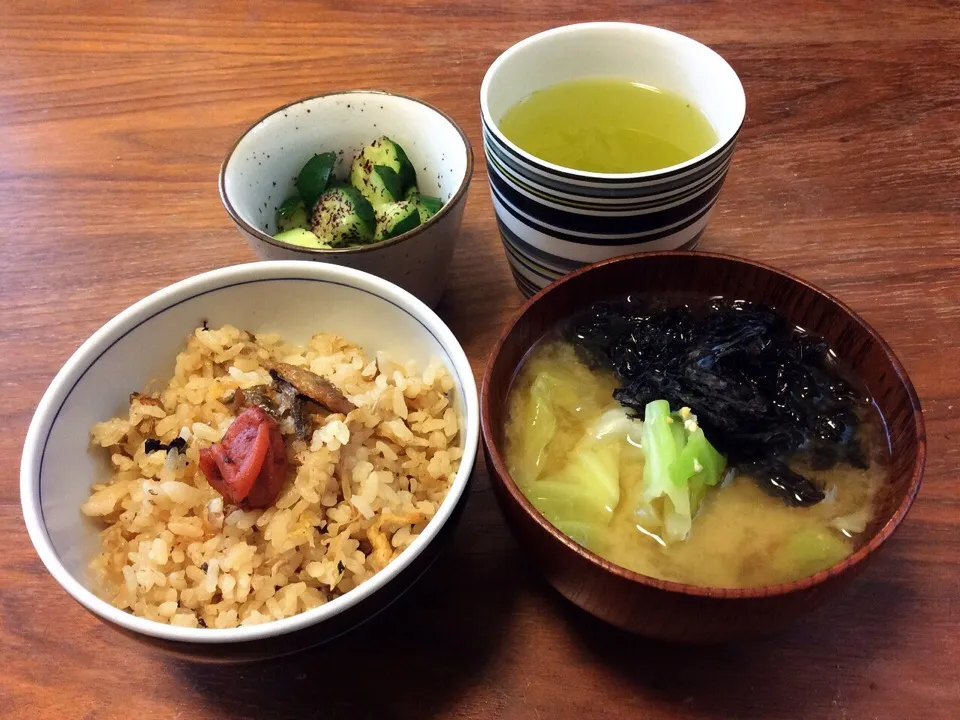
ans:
(146, 310)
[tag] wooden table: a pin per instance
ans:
(113, 123)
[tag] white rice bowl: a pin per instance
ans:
(358, 491)
(291, 301)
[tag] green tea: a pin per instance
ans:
(608, 125)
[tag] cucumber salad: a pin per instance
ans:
(380, 201)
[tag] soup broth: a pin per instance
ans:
(741, 536)
(608, 125)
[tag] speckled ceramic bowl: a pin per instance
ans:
(258, 173)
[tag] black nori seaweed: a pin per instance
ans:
(152, 445)
(763, 391)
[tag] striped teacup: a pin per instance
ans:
(553, 219)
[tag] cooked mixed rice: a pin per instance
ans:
(359, 489)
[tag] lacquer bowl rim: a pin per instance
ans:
(491, 435)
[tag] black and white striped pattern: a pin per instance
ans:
(554, 220)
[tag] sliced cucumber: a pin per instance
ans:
(301, 237)
(344, 217)
(380, 186)
(292, 214)
(395, 219)
(385, 186)
(383, 151)
(412, 194)
(428, 207)
(315, 176)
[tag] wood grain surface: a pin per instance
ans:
(113, 121)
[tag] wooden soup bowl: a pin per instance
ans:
(675, 611)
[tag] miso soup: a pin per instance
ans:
(666, 488)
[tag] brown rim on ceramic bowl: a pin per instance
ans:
(260, 235)
(492, 440)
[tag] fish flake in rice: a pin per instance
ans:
(358, 491)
